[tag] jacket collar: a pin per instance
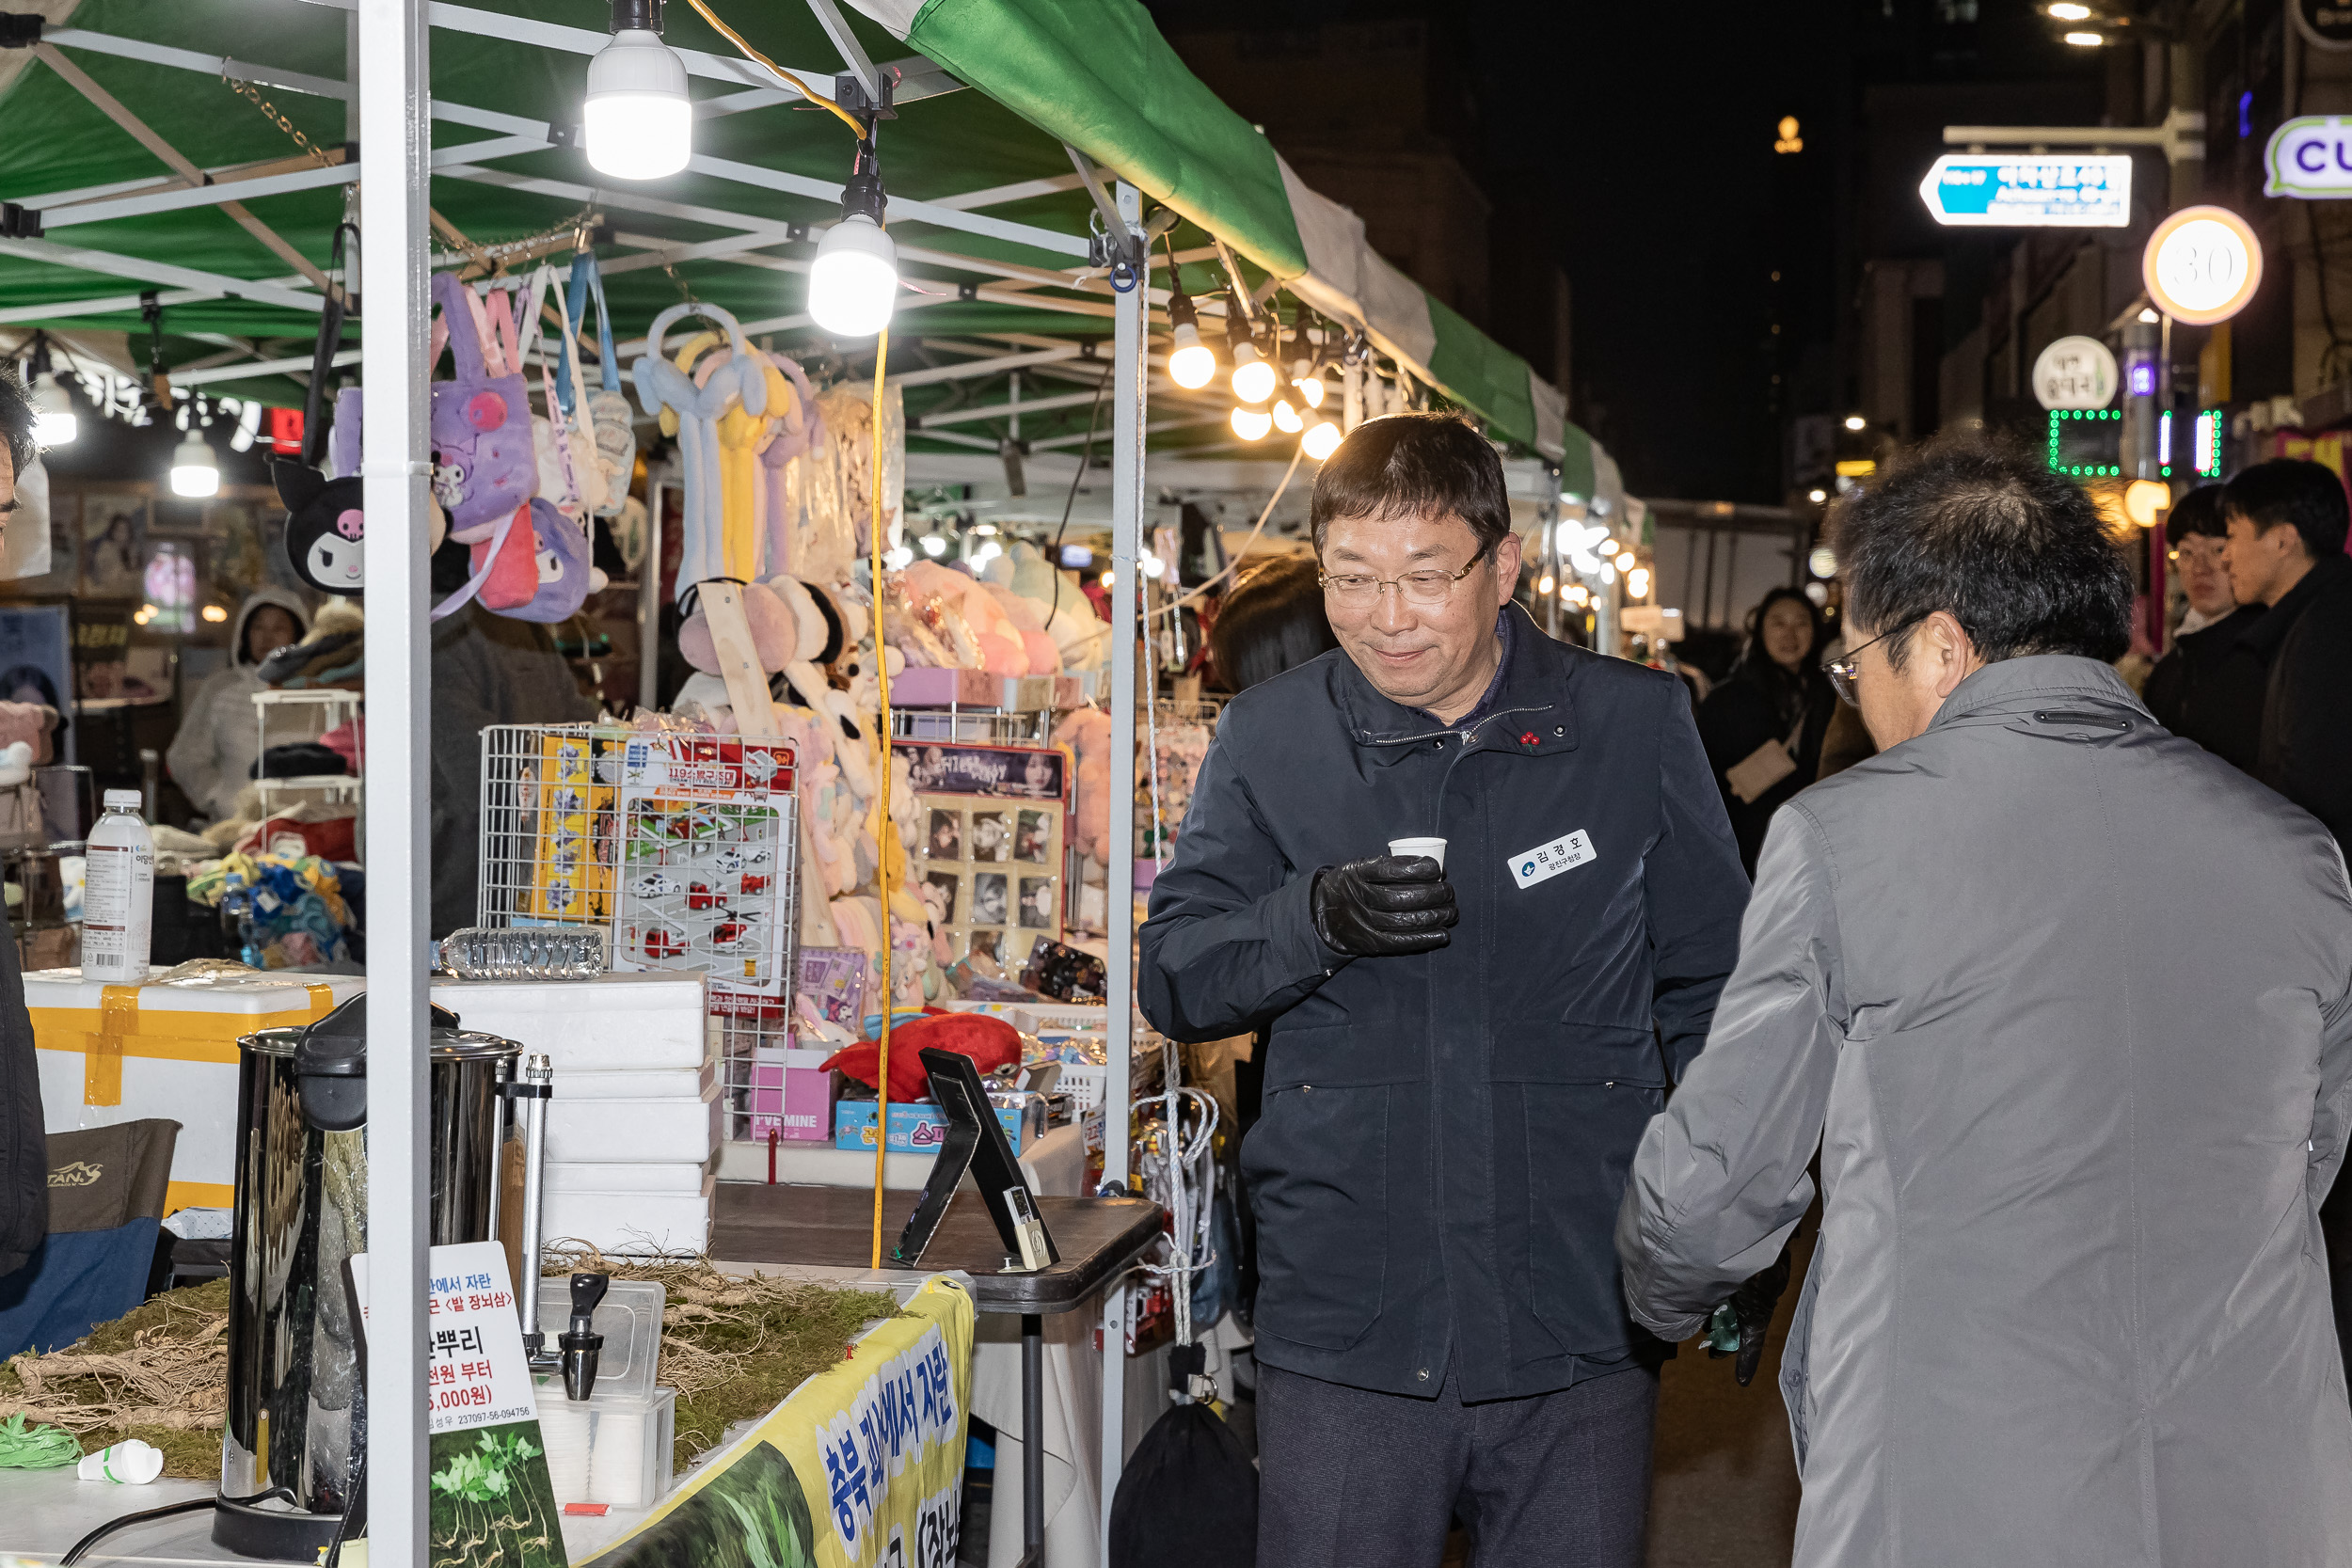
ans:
(2271, 630)
(2023, 682)
(1531, 714)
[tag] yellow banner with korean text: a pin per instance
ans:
(863, 1464)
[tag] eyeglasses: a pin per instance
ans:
(1422, 590)
(1841, 670)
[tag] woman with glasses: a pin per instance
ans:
(1763, 727)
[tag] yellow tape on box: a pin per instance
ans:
(110, 1053)
(863, 1464)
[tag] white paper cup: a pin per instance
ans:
(130, 1462)
(1433, 847)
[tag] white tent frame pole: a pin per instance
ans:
(1130, 384)
(396, 126)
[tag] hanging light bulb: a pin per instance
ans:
(1253, 376)
(1251, 424)
(1545, 584)
(195, 471)
(638, 119)
(1286, 419)
(1311, 391)
(55, 422)
(853, 282)
(1625, 561)
(1322, 440)
(1191, 363)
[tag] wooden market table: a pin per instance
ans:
(830, 1230)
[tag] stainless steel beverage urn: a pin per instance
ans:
(294, 1393)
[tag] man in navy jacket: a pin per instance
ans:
(1463, 1055)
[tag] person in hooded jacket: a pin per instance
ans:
(212, 757)
(1763, 727)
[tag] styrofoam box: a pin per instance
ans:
(653, 1018)
(179, 1060)
(633, 1131)
(618, 1176)
(631, 1223)
(641, 1083)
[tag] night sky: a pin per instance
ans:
(1649, 130)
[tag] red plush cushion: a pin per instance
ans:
(991, 1042)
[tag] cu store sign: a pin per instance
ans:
(2310, 157)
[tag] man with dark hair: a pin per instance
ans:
(2066, 1305)
(1466, 1036)
(24, 1145)
(2208, 687)
(2287, 521)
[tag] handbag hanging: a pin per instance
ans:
(609, 418)
(483, 463)
(569, 475)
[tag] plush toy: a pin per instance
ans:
(483, 463)
(1086, 732)
(30, 724)
(1029, 619)
(325, 527)
(666, 392)
(793, 428)
(991, 1042)
(775, 631)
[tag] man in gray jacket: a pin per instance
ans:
(2070, 1303)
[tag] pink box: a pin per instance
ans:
(791, 1096)
(924, 686)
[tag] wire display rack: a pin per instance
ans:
(289, 717)
(1020, 727)
(682, 850)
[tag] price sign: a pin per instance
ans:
(2074, 373)
(2202, 265)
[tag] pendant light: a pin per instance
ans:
(1322, 440)
(1191, 363)
(1253, 377)
(195, 471)
(1251, 424)
(853, 282)
(638, 118)
(1307, 379)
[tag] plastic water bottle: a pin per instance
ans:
(119, 894)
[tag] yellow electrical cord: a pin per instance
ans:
(882, 841)
(803, 88)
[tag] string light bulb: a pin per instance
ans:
(853, 280)
(195, 471)
(638, 119)
(1253, 379)
(1322, 440)
(1251, 424)
(1308, 380)
(1191, 363)
(55, 422)
(1544, 585)
(1625, 561)
(1286, 419)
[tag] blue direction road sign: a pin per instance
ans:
(1999, 190)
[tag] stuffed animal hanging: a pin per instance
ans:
(325, 527)
(484, 464)
(662, 385)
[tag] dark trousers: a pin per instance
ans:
(1353, 1479)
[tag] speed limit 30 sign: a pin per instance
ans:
(2202, 265)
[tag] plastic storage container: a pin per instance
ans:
(612, 1450)
(628, 1317)
(119, 894)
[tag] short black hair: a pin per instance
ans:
(1274, 619)
(16, 422)
(2289, 490)
(1408, 465)
(2019, 556)
(2199, 511)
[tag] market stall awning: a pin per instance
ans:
(1098, 74)
(991, 217)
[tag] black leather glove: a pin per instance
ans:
(1383, 906)
(1751, 1309)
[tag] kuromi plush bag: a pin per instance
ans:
(483, 461)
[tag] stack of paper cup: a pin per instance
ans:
(130, 1462)
(563, 1428)
(1408, 847)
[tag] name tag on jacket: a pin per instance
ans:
(1546, 860)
